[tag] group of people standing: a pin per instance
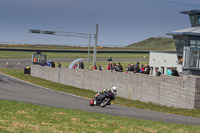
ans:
(115, 67)
(170, 72)
(138, 69)
(119, 68)
(80, 65)
(49, 63)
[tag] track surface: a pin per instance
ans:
(17, 90)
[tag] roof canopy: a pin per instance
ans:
(191, 12)
(188, 31)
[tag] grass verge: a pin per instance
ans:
(23, 117)
(20, 54)
(90, 94)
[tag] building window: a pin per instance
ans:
(195, 43)
(192, 43)
(194, 59)
(198, 43)
(179, 45)
(195, 20)
(162, 70)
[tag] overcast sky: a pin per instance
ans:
(121, 22)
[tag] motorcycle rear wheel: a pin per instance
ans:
(105, 102)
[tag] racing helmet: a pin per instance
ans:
(114, 89)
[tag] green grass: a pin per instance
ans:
(22, 117)
(90, 94)
(17, 54)
(154, 43)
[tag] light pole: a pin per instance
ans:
(95, 45)
(74, 34)
(88, 52)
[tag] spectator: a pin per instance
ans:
(42, 63)
(158, 73)
(128, 68)
(120, 68)
(100, 67)
(74, 66)
(132, 68)
(138, 64)
(34, 60)
(115, 68)
(142, 69)
(110, 66)
(169, 71)
(78, 64)
(137, 67)
(59, 65)
(49, 63)
(146, 69)
(52, 64)
(175, 72)
(81, 65)
(94, 67)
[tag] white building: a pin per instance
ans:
(163, 60)
(189, 37)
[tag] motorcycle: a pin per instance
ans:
(103, 99)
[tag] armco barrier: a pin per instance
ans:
(178, 92)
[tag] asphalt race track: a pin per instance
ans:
(17, 90)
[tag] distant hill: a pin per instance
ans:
(154, 43)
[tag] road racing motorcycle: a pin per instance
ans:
(103, 99)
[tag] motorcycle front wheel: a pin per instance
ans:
(105, 102)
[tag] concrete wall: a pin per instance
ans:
(178, 92)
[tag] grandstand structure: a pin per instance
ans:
(187, 43)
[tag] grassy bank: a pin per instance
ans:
(90, 94)
(20, 54)
(154, 43)
(22, 117)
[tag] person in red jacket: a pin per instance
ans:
(110, 67)
(94, 67)
(142, 68)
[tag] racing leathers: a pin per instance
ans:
(97, 96)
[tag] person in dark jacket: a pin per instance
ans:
(146, 69)
(175, 72)
(100, 67)
(81, 65)
(120, 68)
(59, 64)
(132, 68)
(52, 64)
(137, 67)
(158, 73)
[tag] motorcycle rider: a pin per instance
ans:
(112, 90)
